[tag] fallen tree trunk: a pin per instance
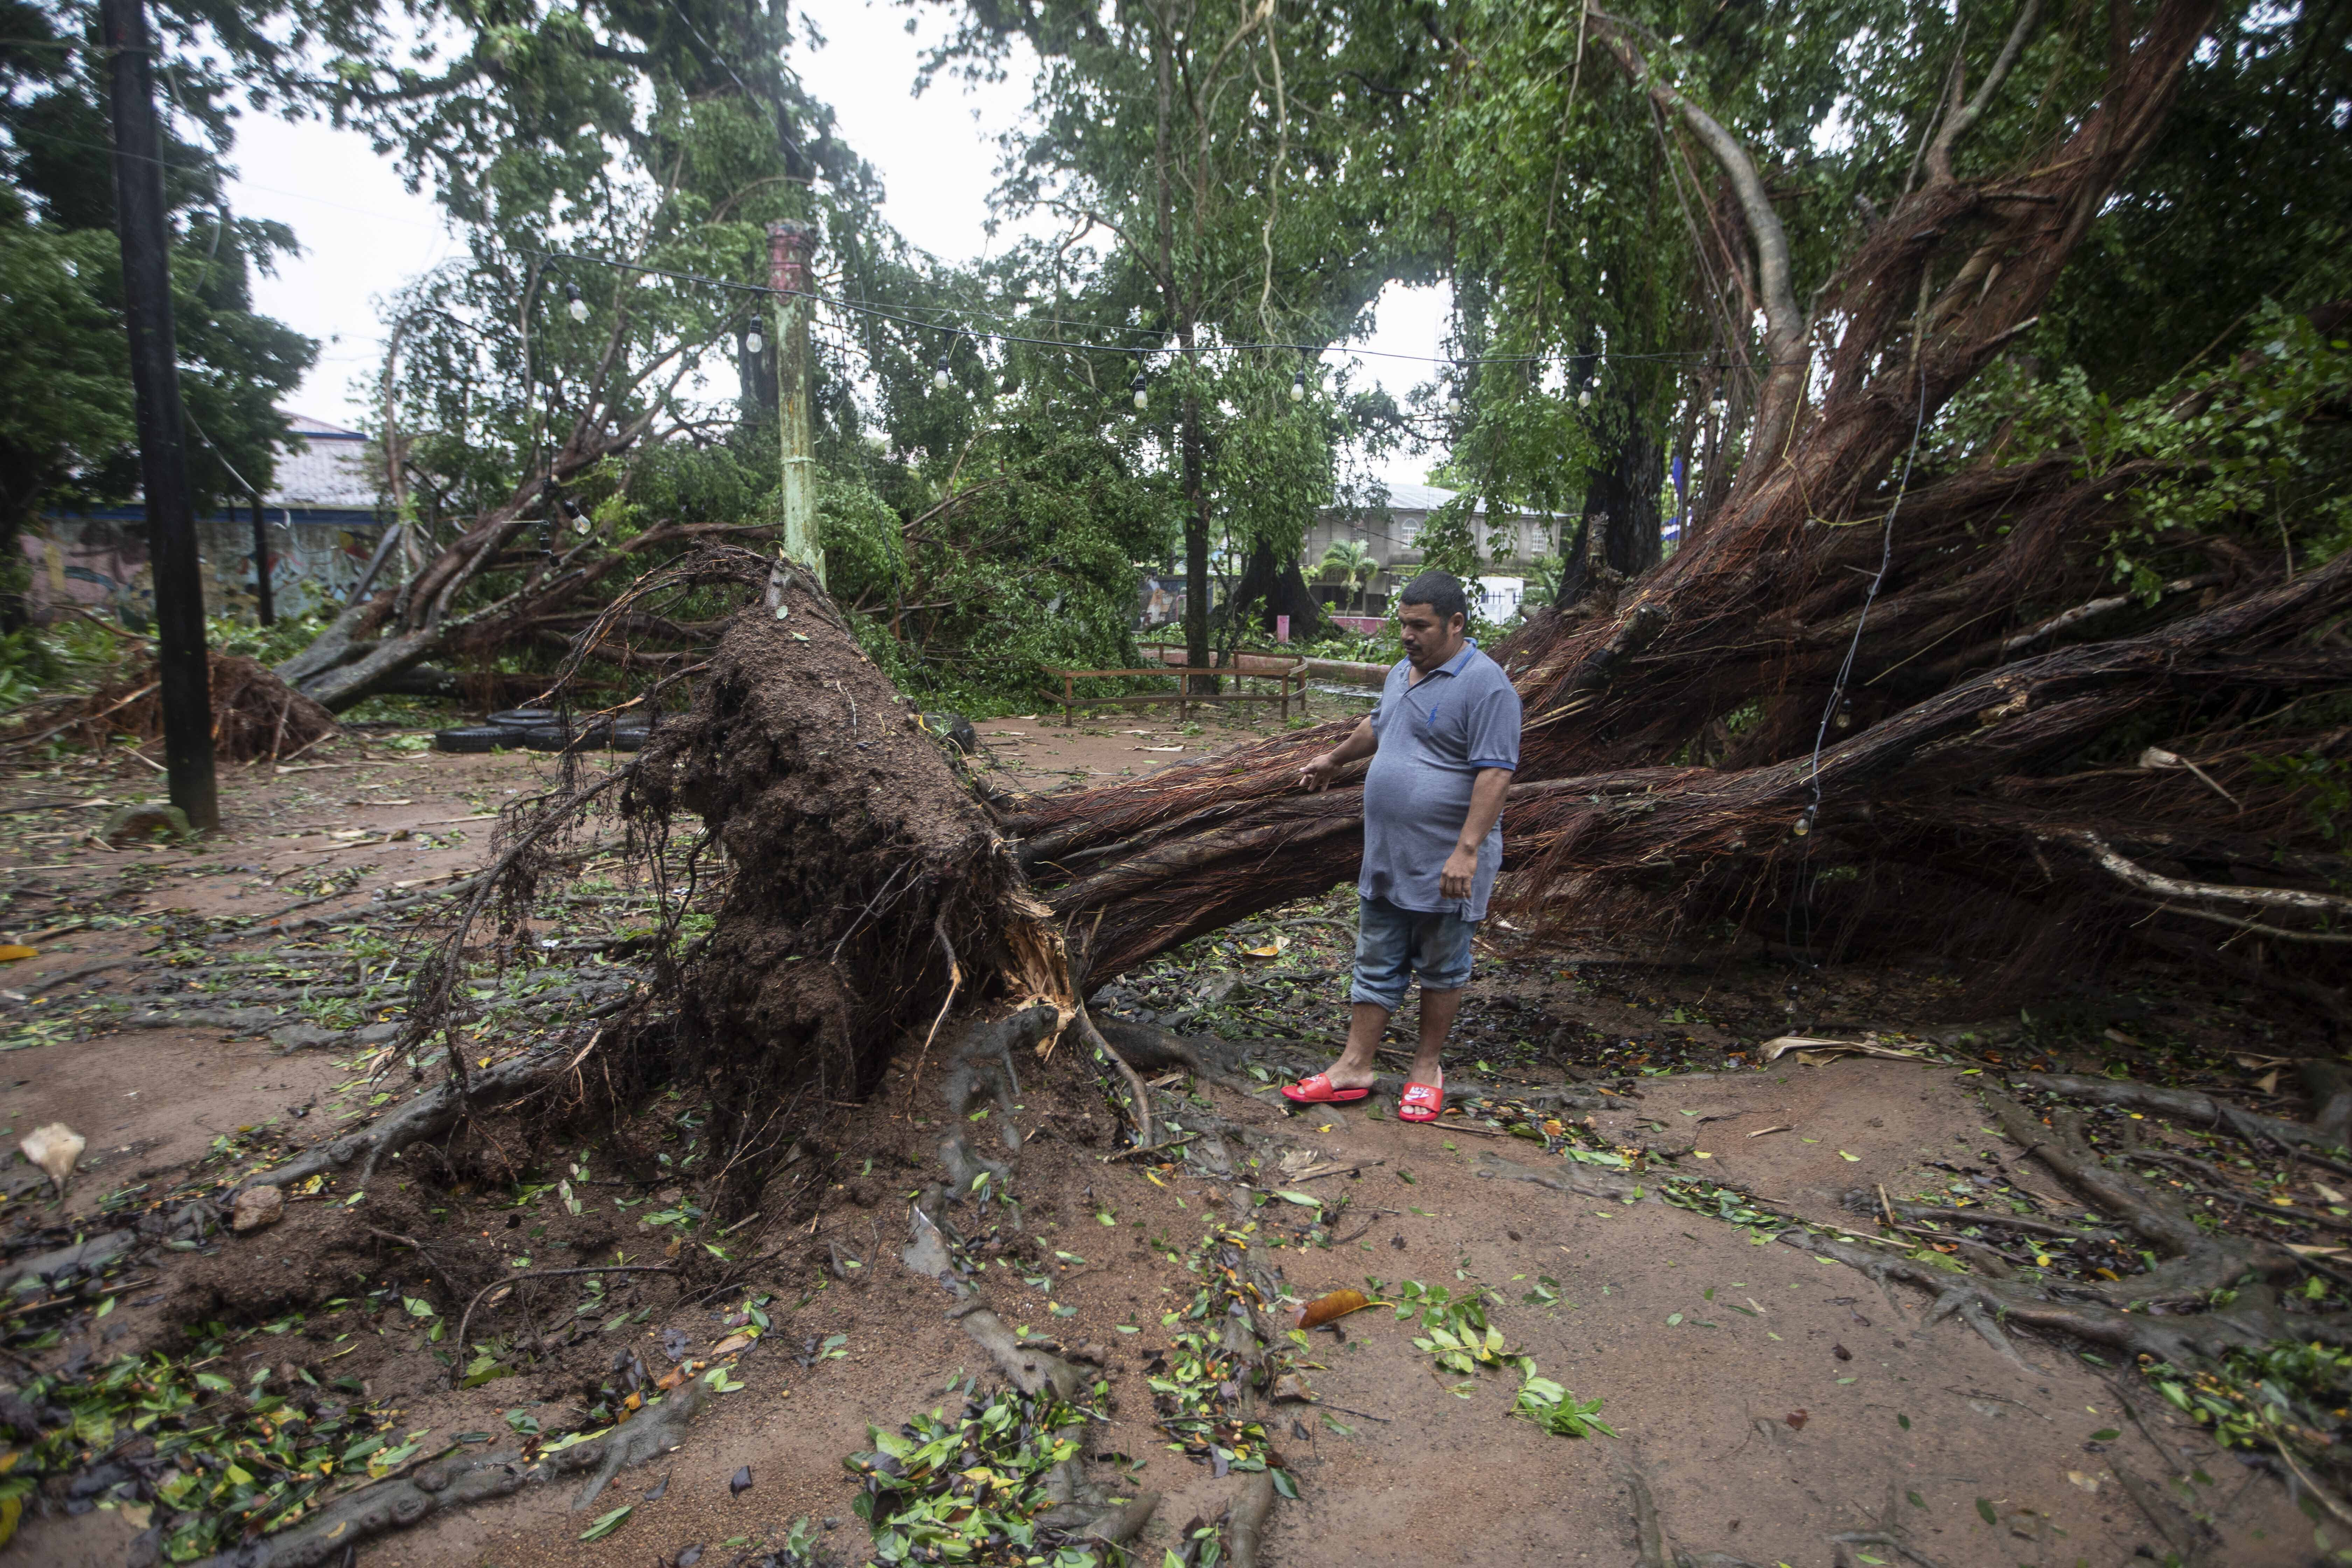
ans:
(1926, 699)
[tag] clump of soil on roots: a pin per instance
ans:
(870, 895)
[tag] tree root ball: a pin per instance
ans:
(869, 891)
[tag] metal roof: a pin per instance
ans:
(1404, 496)
(329, 469)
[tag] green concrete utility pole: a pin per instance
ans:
(789, 244)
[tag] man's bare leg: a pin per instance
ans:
(1367, 1021)
(1437, 1010)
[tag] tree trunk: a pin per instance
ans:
(1271, 586)
(1944, 707)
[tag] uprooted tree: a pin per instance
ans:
(1893, 671)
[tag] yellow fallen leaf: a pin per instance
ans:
(2088, 1483)
(1844, 1156)
(730, 1344)
(1338, 1304)
(11, 951)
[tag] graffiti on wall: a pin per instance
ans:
(100, 563)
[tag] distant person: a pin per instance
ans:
(1445, 742)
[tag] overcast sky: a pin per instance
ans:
(363, 235)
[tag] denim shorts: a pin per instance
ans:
(1392, 945)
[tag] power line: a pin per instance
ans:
(222, 172)
(954, 330)
(1835, 706)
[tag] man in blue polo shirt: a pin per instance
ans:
(1444, 743)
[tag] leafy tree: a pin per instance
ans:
(65, 434)
(1229, 174)
(1032, 563)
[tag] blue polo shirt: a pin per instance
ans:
(1436, 737)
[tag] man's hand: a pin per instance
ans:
(1319, 771)
(1460, 870)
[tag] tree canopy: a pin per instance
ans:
(66, 433)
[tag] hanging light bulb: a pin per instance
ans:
(1143, 390)
(576, 306)
(754, 342)
(1584, 397)
(1453, 400)
(1844, 719)
(940, 375)
(1804, 823)
(1298, 386)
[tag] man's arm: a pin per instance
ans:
(1487, 792)
(1360, 743)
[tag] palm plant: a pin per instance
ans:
(1350, 562)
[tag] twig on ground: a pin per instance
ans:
(457, 1370)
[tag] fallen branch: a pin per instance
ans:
(2212, 892)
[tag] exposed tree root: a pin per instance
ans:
(2189, 1537)
(2187, 1105)
(2207, 1295)
(1493, 1167)
(982, 1063)
(437, 1110)
(1246, 1517)
(1650, 1540)
(463, 1483)
(256, 715)
(649, 1434)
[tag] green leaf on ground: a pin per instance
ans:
(606, 1524)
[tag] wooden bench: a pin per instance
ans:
(1289, 676)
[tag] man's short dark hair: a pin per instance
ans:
(1441, 591)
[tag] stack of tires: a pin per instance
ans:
(541, 729)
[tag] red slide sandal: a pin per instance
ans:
(1421, 1103)
(1318, 1090)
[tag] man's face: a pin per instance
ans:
(1428, 640)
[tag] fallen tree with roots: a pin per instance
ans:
(1883, 707)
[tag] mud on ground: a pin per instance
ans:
(1771, 1400)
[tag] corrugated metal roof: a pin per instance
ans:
(331, 468)
(1405, 496)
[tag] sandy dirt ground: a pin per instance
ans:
(1772, 1401)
